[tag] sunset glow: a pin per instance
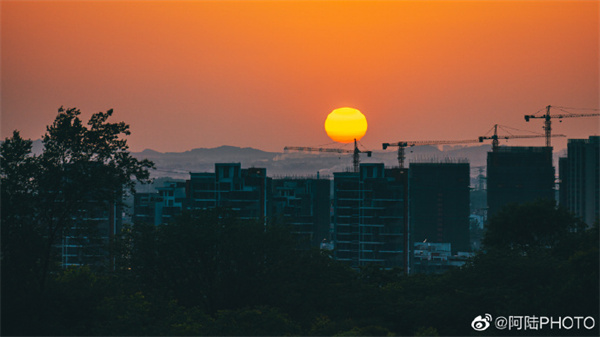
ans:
(262, 74)
(344, 125)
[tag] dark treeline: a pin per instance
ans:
(210, 273)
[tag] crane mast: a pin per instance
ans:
(355, 153)
(548, 122)
(404, 144)
(495, 137)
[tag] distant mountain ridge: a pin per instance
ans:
(220, 152)
(178, 165)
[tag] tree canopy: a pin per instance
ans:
(530, 226)
(43, 195)
(210, 273)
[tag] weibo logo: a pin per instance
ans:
(481, 323)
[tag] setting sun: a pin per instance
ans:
(346, 124)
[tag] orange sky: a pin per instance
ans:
(266, 74)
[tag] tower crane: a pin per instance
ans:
(495, 138)
(404, 144)
(355, 158)
(547, 118)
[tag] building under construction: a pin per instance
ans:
(303, 204)
(89, 233)
(439, 204)
(579, 175)
(370, 216)
(518, 175)
(172, 199)
(245, 191)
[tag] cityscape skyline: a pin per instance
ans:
(200, 74)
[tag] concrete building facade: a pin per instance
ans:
(304, 204)
(172, 200)
(370, 218)
(517, 175)
(245, 191)
(436, 258)
(579, 175)
(439, 204)
(86, 240)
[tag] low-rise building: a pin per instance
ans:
(436, 258)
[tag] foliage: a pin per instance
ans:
(428, 331)
(21, 241)
(530, 226)
(44, 196)
(258, 321)
(210, 273)
(366, 331)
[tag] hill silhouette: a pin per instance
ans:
(278, 164)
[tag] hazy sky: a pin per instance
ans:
(265, 74)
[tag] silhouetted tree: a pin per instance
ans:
(43, 195)
(530, 226)
(257, 321)
(17, 168)
(80, 164)
(209, 259)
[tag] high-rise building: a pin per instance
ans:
(92, 228)
(579, 175)
(439, 204)
(144, 207)
(370, 216)
(563, 181)
(161, 206)
(172, 200)
(517, 175)
(87, 230)
(304, 203)
(245, 191)
(202, 190)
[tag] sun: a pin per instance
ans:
(343, 125)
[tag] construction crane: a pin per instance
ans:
(355, 158)
(404, 144)
(495, 138)
(547, 118)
